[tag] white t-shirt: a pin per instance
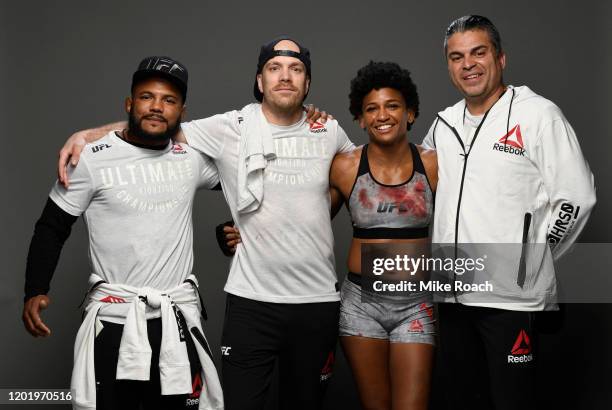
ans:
(137, 205)
(286, 254)
(470, 125)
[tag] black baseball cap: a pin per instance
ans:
(165, 67)
(268, 52)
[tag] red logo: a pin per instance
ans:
(522, 344)
(427, 308)
(513, 137)
(416, 326)
(113, 299)
(178, 149)
(316, 125)
(196, 387)
(328, 368)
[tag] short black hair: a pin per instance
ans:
(474, 22)
(376, 75)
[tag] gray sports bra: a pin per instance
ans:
(380, 211)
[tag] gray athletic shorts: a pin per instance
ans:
(384, 317)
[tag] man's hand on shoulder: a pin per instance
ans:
(180, 137)
(313, 114)
(31, 315)
(71, 151)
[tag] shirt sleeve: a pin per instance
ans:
(568, 181)
(343, 143)
(208, 135)
(76, 198)
(209, 176)
(50, 233)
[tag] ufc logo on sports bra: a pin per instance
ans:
(388, 207)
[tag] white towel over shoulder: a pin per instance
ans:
(256, 149)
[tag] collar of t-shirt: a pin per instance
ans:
(470, 124)
(280, 129)
(153, 147)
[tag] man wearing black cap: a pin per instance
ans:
(141, 339)
(283, 298)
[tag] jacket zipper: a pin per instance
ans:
(522, 273)
(465, 158)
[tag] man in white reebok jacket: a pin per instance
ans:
(510, 172)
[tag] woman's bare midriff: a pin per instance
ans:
(354, 258)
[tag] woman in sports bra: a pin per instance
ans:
(388, 186)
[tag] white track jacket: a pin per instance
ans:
(523, 181)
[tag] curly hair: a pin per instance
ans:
(376, 75)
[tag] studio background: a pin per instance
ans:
(67, 65)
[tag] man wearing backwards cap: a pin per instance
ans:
(141, 340)
(283, 296)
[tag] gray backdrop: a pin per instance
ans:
(67, 66)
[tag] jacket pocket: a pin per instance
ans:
(522, 273)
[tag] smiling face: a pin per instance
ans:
(474, 66)
(155, 109)
(283, 80)
(385, 116)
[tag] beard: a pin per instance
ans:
(286, 104)
(135, 128)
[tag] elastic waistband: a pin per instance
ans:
(354, 277)
(390, 233)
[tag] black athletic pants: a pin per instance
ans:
(488, 357)
(255, 334)
(112, 394)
